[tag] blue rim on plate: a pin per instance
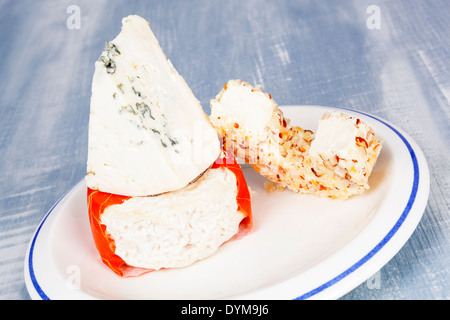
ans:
(394, 229)
(327, 284)
(30, 256)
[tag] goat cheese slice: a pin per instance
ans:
(175, 229)
(148, 134)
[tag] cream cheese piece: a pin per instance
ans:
(176, 229)
(336, 136)
(228, 107)
(148, 134)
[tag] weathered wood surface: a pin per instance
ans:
(302, 52)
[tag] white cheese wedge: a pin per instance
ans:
(178, 228)
(148, 134)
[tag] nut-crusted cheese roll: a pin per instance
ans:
(335, 162)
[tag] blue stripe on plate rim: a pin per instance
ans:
(394, 229)
(30, 257)
(327, 284)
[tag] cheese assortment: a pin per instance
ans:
(161, 191)
(335, 162)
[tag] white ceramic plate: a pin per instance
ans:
(302, 246)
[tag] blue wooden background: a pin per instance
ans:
(302, 52)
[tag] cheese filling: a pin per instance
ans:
(336, 136)
(176, 229)
(254, 117)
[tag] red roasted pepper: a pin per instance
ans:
(98, 201)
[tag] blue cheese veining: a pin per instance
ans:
(148, 134)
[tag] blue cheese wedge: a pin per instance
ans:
(148, 134)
